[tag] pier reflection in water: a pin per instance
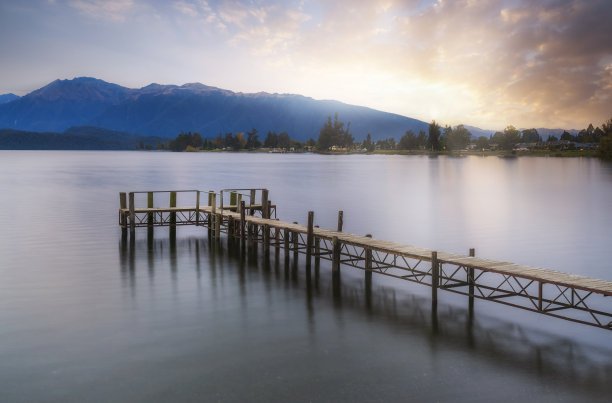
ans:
(229, 271)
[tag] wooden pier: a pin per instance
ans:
(250, 216)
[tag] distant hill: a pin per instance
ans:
(167, 110)
(75, 138)
(4, 98)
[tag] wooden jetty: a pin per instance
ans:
(251, 216)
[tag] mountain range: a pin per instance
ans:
(167, 110)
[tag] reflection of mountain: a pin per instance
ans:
(167, 110)
(501, 342)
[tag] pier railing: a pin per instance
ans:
(571, 297)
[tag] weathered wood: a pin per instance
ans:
(150, 205)
(265, 211)
(286, 242)
(470, 279)
(197, 211)
(317, 246)
(295, 235)
(252, 202)
(210, 204)
(213, 214)
(172, 204)
(242, 220)
(233, 198)
(368, 263)
(309, 238)
(335, 254)
(340, 220)
(435, 271)
(132, 214)
(122, 206)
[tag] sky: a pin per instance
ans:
(487, 63)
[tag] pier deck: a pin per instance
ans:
(567, 296)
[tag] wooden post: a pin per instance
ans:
(471, 284)
(218, 219)
(230, 227)
(233, 200)
(286, 241)
(296, 237)
(309, 238)
(238, 202)
(276, 242)
(198, 208)
(242, 220)
(335, 255)
(213, 214)
(132, 215)
(540, 295)
(210, 204)
(317, 247)
(122, 206)
(173, 204)
(150, 205)
(340, 220)
(435, 270)
(252, 202)
(368, 264)
(265, 211)
(221, 200)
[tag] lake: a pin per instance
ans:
(88, 316)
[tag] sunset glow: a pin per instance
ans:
(484, 63)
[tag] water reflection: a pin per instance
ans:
(503, 343)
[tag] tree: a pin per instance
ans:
(433, 141)
(458, 138)
(367, 143)
(422, 139)
(530, 136)
(408, 141)
(252, 141)
(510, 138)
(284, 141)
(565, 136)
(552, 139)
(605, 143)
(271, 140)
(482, 142)
(334, 134)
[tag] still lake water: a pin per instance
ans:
(85, 316)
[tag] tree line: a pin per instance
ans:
(335, 136)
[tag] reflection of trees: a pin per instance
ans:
(506, 343)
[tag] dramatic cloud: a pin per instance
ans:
(488, 62)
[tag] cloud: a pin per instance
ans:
(114, 10)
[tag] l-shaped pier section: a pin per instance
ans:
(250, 216)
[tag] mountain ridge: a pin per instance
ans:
(165, 110)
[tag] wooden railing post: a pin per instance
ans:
(198, 208)
(132, 214)
(173, 204)
(150, 205)
(435, 271)
(242, 221)
(368, 263)
(335, 254)
(122, 206)
(471, 281)
(309, 238)
(340, 220)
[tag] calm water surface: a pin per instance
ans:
(87, 316)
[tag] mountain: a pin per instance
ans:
(167, 110)
(5, 98)
(75, 138)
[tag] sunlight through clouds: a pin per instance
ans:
(489, 63)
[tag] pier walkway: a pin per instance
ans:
(250, 217)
